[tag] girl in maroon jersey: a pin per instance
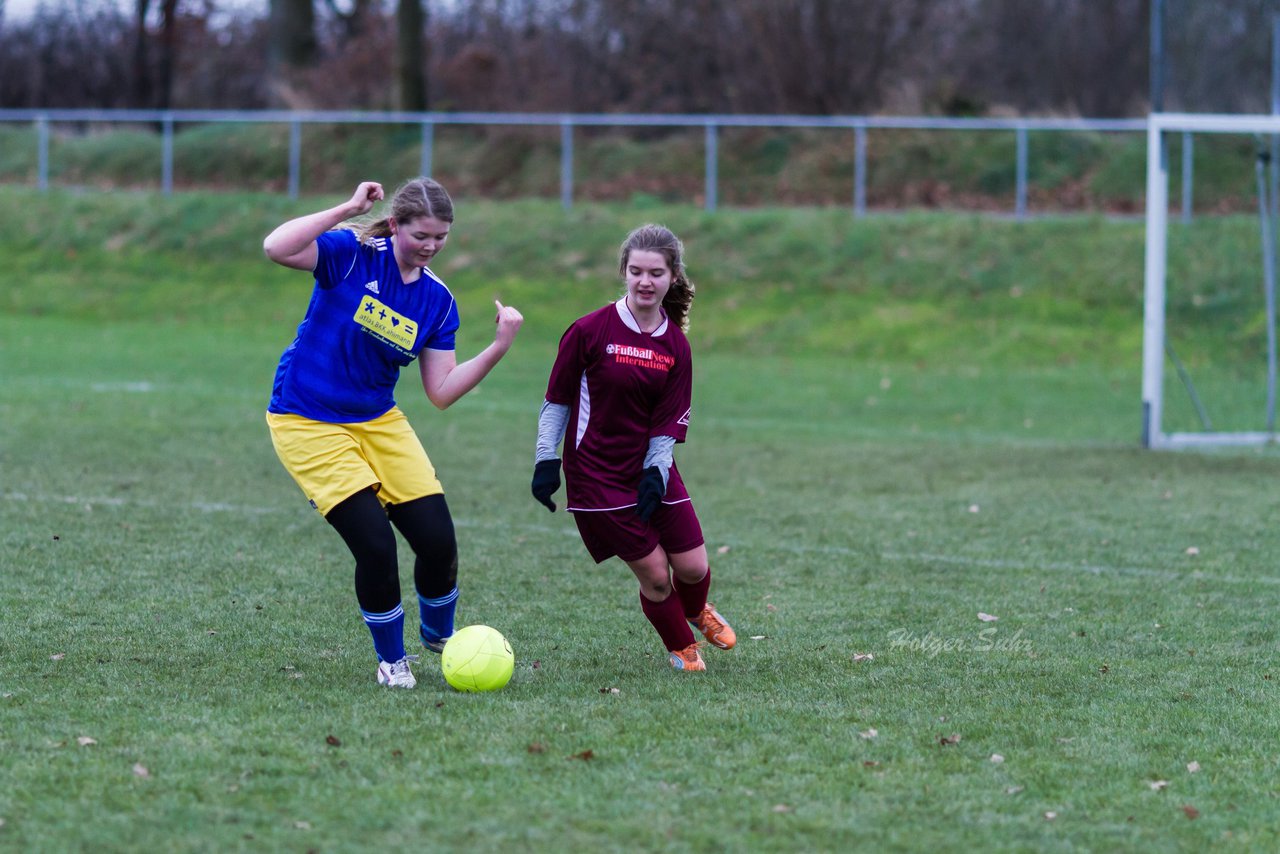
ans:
(619, 398)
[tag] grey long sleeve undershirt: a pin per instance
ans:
(553, 420)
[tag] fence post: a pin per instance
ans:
(166, 155)
(1186, 176)
(860, 171)
(295, 157)
(428, 146)
(711, 168)
(42, 152)
(1021, 191)
(566, 163)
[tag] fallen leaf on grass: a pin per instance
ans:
(537, 747)
(987, 618)
(870, 764)
(1157, 785)
(140, 770)
(585, 755)
(1192, 812)
(863, 656)
(1193, 767)
(869, 733)
(954, 738)
(609, 691)
(85, 741)
(332, 741)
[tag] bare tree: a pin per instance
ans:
(141, 63)
(168, 47)
(294, 45)
(411, 56)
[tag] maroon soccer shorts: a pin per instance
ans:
(606, 533)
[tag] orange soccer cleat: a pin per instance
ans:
(687, 658)
(714, 628)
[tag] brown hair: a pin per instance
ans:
(659, 238)
(415, 197)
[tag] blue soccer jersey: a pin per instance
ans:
(363, 325)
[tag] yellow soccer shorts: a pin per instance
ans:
(332, 462)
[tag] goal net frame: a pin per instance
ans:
(1154, 295)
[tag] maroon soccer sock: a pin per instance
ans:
(693, 597)
(667, 617)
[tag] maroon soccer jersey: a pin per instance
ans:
(622, 386)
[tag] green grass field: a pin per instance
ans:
(888, 440)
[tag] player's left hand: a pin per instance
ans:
(546, 480)
(508, 321)
(649, 495)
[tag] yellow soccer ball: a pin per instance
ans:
(477, 658)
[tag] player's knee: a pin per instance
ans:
(378, 549)
(655, 590)
(435, 575)
(691, 574)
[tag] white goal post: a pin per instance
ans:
(1154, 296)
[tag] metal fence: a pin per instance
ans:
(858, 126)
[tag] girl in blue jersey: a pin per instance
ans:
(376, 306)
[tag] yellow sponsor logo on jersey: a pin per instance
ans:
(387, 324)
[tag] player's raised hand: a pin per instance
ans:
(363, 198)
(508, 321)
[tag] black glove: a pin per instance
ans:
(650, 493)
(546, 480)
